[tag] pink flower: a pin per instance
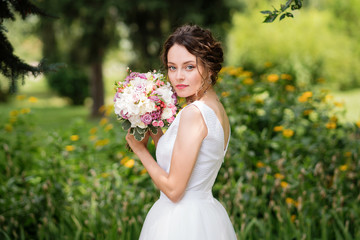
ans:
(170, 120)
(161, 123)
(155, 123)
(146, 118)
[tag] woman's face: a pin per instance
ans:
(184, 73)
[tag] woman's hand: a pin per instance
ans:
(136, 145)
(156, 136)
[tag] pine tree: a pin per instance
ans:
(11, 66)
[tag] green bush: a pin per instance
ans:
(316, 43)
(292, 170)
(70, 82)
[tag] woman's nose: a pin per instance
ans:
(179, 75)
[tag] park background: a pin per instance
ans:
(291, 89)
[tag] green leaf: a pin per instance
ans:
(126, 125)
(141, 130)
(298, 3)
(266, 12)
(270, 18)
(132, 131)
(282, 17)
(153, 129)
(139, 136)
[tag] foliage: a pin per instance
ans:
(272, 15)
(72, 83)
(293, 168)
(291, 171)
(327, 51)
(11, 66)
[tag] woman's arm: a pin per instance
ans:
(191, 132)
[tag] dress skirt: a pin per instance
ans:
(197, 216)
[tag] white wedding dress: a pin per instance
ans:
(198, 215)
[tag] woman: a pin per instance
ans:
(190, 153)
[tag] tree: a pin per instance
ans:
(91, 31)
(11, 66)
(150, 22)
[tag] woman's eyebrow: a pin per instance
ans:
(190, 61)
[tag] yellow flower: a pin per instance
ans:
(124, 160)
(279, 176)
(102, 108)
(278, 128)
(101, 143)
(20, 97)
(246, 74)
(289, 201)
(302, 99)
(92, 138)
(248, 81)
(235, 72)
(305, 96)
(93, 130)
(331, 125)
(14, 113)
(109, 127)
(338, 104)
(225, 94)
(343, 167)
(130, 163)
(105, 175)
(289, 88)
(268, 64)
(259, 101)
(74, 137)
(308, 111)
(288, 133)
(308, 94)
(103, 121)
(144, 171)
(320, 80)
(293, 218)
(328, 97)
(260, 164)
(334, 119)
(109, 110)
(8, 127)
(358, 124)
(286, 76)
(32, 99)
(347, 154)
(25, 110)
(284, 184)
(273, 78)
(70, 148)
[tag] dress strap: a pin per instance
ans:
(203, 107)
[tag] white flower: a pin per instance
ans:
(136, 121)
(167, 113)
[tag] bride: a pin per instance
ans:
(190, 153)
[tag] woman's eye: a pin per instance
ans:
(171, 68)
(190, 67)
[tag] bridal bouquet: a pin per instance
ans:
(144, 101)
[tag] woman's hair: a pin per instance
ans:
(201, 44)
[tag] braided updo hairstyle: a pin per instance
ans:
(201, 44)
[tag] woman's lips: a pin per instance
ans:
(181, 86)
